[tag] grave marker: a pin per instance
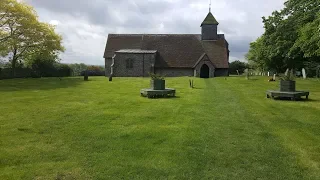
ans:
(304, 74)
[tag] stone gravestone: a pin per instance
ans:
(304, 73)
(268, 74)
(191, 83)
(247, 73)
(86, 76)
(287, 72)
(274, 77)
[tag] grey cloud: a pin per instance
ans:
(240, 44)
(153, 7)
(100, 11)
(240, 20)
(93, 11)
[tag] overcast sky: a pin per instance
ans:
(85, 24)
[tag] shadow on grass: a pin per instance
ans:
(10, 85)
(168, 97)
(297, 100)
(252, 79)
(312, 100)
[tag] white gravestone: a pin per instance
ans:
(287, 72)
(304, 73)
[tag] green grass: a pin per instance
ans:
(222, 129)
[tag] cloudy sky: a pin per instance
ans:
(85, 24)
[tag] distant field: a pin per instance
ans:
(222, 129)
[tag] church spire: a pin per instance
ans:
(209, 27)
(210, 20)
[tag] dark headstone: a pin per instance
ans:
(86, 76)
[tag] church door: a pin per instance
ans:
(204, 71)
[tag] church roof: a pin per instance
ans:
(209, 20)
(173, 50)
(136, 51)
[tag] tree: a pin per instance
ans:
(2, 63)
(95, 68)
(291, 37)
(309, 38)
(257, 55)
(22, 36)
(78, 68)
(237, 66)
(95, 71)
(42, 66)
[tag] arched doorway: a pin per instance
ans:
(204, 71)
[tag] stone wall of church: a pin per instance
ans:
(142, 65)
(221, 72)
(204, 60)
(149, 61)
(197, 69)
(174, 72)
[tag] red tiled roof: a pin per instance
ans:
(174, 50)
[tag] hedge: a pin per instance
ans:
(6, 73)
(94, 73)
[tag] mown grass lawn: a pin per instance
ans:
(222, 129)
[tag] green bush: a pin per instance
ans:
(156, 76)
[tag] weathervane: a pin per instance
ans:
(210, 6)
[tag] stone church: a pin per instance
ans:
(202, 55)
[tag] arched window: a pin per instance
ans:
(129, 63)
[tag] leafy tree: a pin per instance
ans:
(258, 54)
(237, 66)
(63, 70)
(49, 68)
(291, 37)
(94, 71)
(2, 63)
(95, 68)
(42, 66)
(309, 38)
(78, 68)
(22, 36)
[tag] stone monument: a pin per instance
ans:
(304, 74)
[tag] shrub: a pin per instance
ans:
(156, 76)
(288, 76)
(93, 73)
(237, 65)
(6, 73)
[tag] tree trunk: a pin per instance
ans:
(13, 63)
(13, 68)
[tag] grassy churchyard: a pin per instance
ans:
(221, 129)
